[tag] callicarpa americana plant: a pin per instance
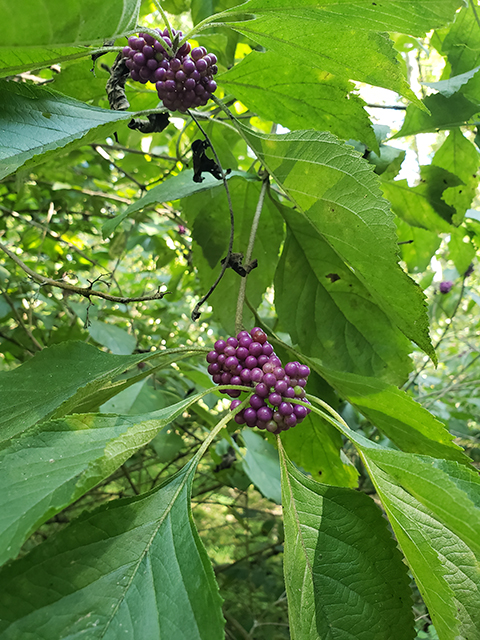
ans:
(232, 403)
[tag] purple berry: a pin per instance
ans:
(262, 390)
(303, 371)
(220, 345)
(264, 413)
(256, 401)
(246, 376)
(281, 386)
(212, 356)
(285, 408)
(250, 416)
(445, 286)
(242, 353)
(300, 411)
(275, 399)
(231, 362)
(255, 349)
(269, 379)
(196, 53)
(256, 375)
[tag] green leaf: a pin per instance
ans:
(35, 120)
(260, 463)
(445, 569)
(133, 567)
(52, 466)
(421, 246)
(453, 84)
(16, 60)
(424, 205)
(174, 188)
(445, 113)
(451, 491)
(208, 217)
(316, 447)
(411, 427)
(343, 572)
(461, 249)
(315, 288)
(114, 338)
(459, 156)
(349, 36)
(58, 380)
(461, 45)
(57, 23)
(321, 101)
(413, 17)
(339, 194)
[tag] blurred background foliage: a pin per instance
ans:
(54, 216)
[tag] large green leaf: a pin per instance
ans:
(424, 206)
(319, 101)
(54, 465)
(445, 568)
(208, 217)
(328, 311)
(461, 45)
(36, 23)
(445, 113)
(174, 188)
(36, 122)
(134, 567)
(316, 447)
(344, 575)
(411, 427)
(58, 380)
(339, 194)
(16, 60)
(349, 39)
(459, 156)
(451, 491)
(414, 17)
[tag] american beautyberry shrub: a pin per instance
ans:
(249, 360)
(182, 80)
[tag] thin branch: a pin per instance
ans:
(472, 4)
(442, 337)
(87, 292)
(248, 256)
(19, 318)
(103, 154)
(396, 107)
(196, 311)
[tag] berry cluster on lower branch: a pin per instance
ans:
(249, 360)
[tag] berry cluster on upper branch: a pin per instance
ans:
(183, 80)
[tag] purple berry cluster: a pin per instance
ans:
(249, 360)
(183, 80)
(445, 286)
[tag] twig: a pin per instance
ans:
(87, 292)
(397, 107)
(129, 478)
(20, 319)
(101, 152)
(196, 313)
(248, 257)
(444, 333)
